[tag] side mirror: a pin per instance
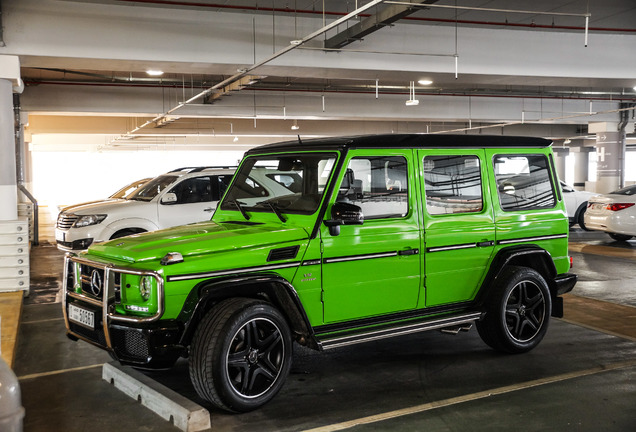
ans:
(169, 198)
(344, 214)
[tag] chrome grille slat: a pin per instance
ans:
(66, 221)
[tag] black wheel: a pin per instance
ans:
(580, 218)
(620, 237)
(517, 311)
(240, 354)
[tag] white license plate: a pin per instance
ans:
(81, 316)
(59, 235)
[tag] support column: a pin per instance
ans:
(560, 154)
(14, 232)
(581, 166)
(609, 154)
(8, 188)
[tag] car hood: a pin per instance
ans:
(71, 208)
(104, 206)
(196, 239)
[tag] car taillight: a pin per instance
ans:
(571, 262)
(618, 206)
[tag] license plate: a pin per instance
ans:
(81, 316)
(59, 235)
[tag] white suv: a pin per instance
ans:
(179, 197)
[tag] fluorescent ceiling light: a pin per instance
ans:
(425, 82)
(154, 72)
(412, 102)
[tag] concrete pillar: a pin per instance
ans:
(8, 189)
(560, 153)
(609, 154)
(581, 166)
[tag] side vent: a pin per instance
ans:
(283, 253)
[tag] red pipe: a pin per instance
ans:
(437, 20)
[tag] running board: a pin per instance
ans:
(462, 320)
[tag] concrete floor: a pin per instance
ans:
(582, 377)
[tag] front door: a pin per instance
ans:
(458, 224)
(197, 198)
(373, 268)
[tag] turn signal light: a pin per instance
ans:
(618, 206)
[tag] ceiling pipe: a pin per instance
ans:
(372, 90)
(243, 72)
(333, 13)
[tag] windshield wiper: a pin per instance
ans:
(237, 203)
(275, 209)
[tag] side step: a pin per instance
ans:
(462, 321)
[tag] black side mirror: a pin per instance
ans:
(344, 214)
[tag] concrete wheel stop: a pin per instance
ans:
(168, 404)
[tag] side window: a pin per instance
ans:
(219, 185)
(379, 185)
(452, 184)
(523, 182)
(193, 190)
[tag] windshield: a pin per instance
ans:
(280, 184)
(129, 189)
(627, 190)
(153, 188)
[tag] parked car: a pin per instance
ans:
(575, 204)
(331, 243)
(614, 213)
(179, 197)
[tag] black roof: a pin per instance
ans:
(404, 141)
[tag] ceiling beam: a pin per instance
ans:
(373, 23)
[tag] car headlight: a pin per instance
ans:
(87, 220)
(145, 287)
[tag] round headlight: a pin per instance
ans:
(145, 287)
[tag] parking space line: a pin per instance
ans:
(57, 372)
(42, 321)
(471, 397)
(602, 250)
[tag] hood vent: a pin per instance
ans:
(283, 253)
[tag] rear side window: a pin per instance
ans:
(523, 182)
(452, 184)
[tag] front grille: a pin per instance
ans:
(130, 344)
(66, 220)
(93, 281)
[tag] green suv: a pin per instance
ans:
(334, 242)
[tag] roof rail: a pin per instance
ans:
(201, 168)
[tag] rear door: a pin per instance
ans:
(458, 223)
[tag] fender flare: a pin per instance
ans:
(531, 256)
(270, 287)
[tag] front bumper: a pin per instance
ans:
(134, 340)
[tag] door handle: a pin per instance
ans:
(409, 252)
(208, 209)
(485, 243)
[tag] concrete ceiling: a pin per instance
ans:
(496, 67)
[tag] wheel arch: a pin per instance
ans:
(530, 256)
(268, 287)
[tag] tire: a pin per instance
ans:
(620, 237)
(580, 216)
(240, 354)
(517, 311)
